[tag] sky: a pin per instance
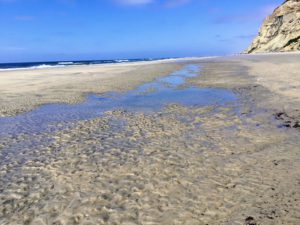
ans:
(50, 30)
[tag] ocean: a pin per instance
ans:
(39, 65)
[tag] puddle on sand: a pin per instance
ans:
(146, 98)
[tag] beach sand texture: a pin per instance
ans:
(236, 163)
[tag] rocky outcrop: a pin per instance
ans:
(280, 32)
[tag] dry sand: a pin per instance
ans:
(228, 164)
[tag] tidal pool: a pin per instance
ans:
(149, 97)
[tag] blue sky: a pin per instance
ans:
(40, 30)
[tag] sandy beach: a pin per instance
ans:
(228, 159)
(23, 90)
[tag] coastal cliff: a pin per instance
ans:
(280, 32)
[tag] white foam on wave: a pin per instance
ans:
(65, 63)
(71, 63)
(122, 60)
(43, 66)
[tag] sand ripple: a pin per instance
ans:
(178, 166)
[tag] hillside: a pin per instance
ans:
(280, 31)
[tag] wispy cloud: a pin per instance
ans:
(7, 1)
(237, 18)
(167, 3)
(24, 18)
(257, 15)
(135, 2)
(174, 3)
(220, 38)
(245, 36)
(12, 48)
(67, 2)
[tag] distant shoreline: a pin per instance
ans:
(14, 66)
(63, 63)
(26, 89)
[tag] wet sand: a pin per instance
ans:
(24, 90)
(232, 163)
(270, 81)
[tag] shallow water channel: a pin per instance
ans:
(148, 97)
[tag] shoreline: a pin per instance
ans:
(99, 65)
(23, 90)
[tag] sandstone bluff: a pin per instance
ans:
(280, 32)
